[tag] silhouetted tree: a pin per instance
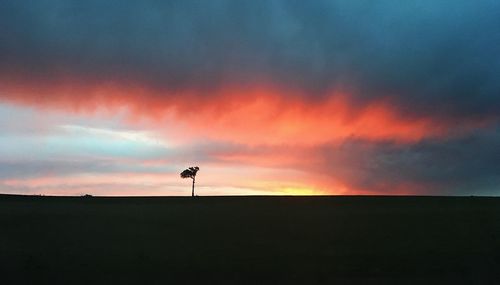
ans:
(190, 173)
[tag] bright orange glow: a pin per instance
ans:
(300, 191)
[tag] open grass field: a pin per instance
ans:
(249, 240)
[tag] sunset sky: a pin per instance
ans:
(266, 97)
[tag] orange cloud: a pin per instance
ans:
(254, 115)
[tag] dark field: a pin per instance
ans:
(249, 240)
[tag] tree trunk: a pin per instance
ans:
(192, 191)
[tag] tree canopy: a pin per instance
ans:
(190, 172)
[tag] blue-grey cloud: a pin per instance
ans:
(460, 166)
(433, 57)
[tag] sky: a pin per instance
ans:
(270, 97)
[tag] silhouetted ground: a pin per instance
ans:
(249, 240)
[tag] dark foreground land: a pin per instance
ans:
(250, 240)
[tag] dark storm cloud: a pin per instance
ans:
(432, 57)
(460, 166)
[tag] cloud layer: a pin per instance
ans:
(360, 97)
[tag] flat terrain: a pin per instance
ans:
(249, 240)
